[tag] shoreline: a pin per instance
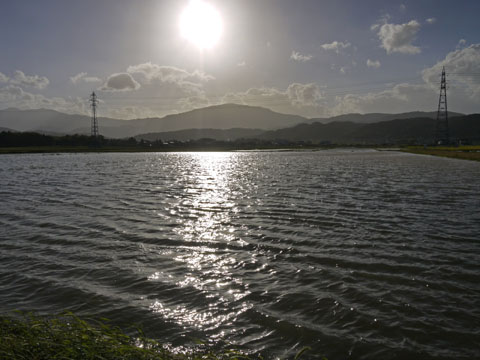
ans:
(68, 336)
(471, 153)
(86, 149)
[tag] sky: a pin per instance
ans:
(314, 58)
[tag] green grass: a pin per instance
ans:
(25, 336)
(66, 336)
(460, 152)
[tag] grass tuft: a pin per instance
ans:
(66, 336)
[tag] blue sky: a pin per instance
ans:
(313, 58)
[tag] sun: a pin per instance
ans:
(201, 24)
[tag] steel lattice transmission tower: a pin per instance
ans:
(93, 103)
(442, 135)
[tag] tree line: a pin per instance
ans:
(33, 139)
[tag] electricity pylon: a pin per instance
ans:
(93, 103)
(442, 136)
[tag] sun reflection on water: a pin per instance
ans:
(209, 198)
(206, 208)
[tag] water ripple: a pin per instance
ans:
(357, 254)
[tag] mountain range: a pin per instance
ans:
(399, 131)
(225, 116)
(231, 122)
(379, 117)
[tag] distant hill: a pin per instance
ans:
(225, 116)
(50, 121)
(229, 117)
(416, 130)
(316, 132)
(379, 117)
(6, 129)
(196, 134)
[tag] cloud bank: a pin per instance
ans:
(164, 73)
(302, 99)
(180, 90)
(33, 81)
(462, 67)
(3, 78)
(15, 96)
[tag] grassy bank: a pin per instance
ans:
(68, 337)
(460, 152)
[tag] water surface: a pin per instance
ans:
(357, 254)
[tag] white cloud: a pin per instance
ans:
(398, 37)
(242, 63)
(463, 89)
(74, 79)
(120, 82)
(193, 102)
(15, 96)
(3, 78)
(295, 94)
(182, 90)
(91, 79)
(304, 94)
(463, 65)
(83, 77)
(399, 98)
(302, 99)
(171, 80)
(337, 46)
(300, 57)
(34, 81)
(11, 93)
(431, 21)
(461, 43)
(373, 64)
(131, 112)
(403, 8)
(168, 73)
(257, 97)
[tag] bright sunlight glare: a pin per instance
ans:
(201, 24)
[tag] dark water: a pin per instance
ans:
(357, 254)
